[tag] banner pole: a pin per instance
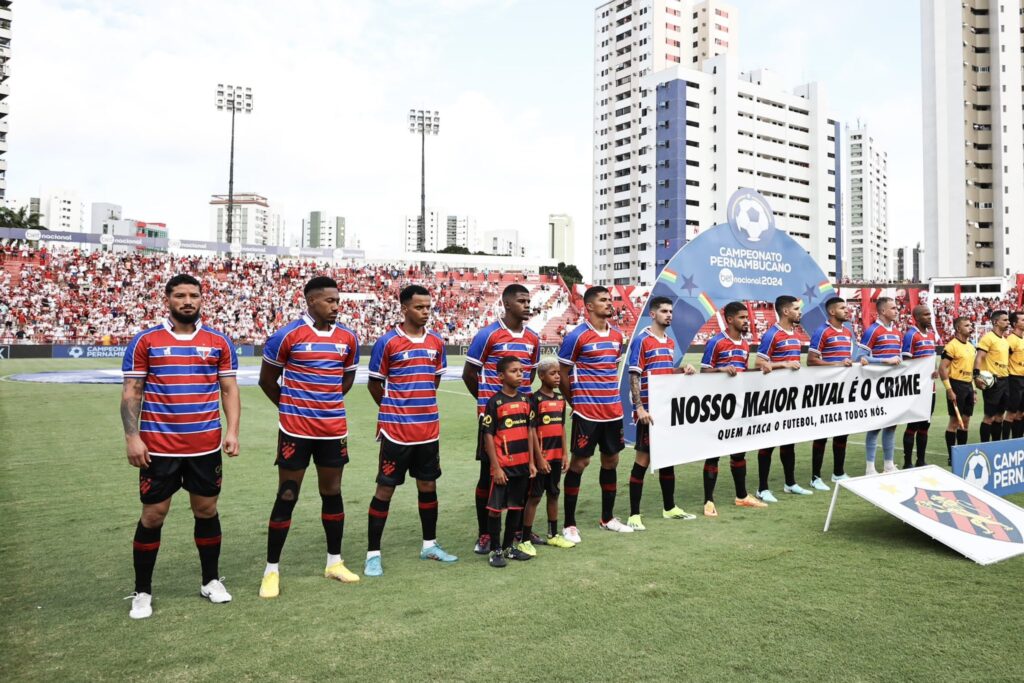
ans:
(831, 507)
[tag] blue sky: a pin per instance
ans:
(114, 98)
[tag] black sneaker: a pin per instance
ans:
(483, 544)
(537, 540)
(515, 553)
(496, 559)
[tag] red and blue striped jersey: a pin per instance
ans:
(832, 344)
(649, 355)
(779, 346)
(181, 400)
(722, 351)
(917, 344)
(594, 358)
(409, 367)
(493, 343)
(880, 341)
(312, 404)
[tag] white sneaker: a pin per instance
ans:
(797, 489)
(614, 524)
(819, 485)
(572, 534)
(870, 469)
(767, 496)
(840, 477)
(142, 605)
(890, 467)
(215, 592)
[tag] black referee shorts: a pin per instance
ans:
(1016, 399)
(965, 398)
(997, 397)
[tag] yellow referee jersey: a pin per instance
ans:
(997, 354)
(1016, 355)
(961, 359)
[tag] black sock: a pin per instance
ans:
(764, 468)
(207, 535)
(817, 457)
(921, 438)
(787, 454)
(378, 515)
(428, 514)
(710, 477)
(961, 437)
(552, 527)
(572, 493)
(513, 524)
(636, 488)
(738, 467)
(332, 514)
(281, 520)
(908, 446)
(483, 489)
(144, 549)
(986, 430)
(839, 455)
(1018, 428)
(494, 529)
(950, 442)
(606, 477)
(1007, 429)
(667, 479)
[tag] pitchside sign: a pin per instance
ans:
(996, 466)
(970, 520)
(705, 416)
(745, 259)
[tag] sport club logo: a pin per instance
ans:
(977, 469)
(342, 349)
(962, 511)
(387, 467)
(204, 352)
(76, 352)
(287, 450)
(751, 219)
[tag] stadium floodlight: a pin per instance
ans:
(424, 122)
(233, 98)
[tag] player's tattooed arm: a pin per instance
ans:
(634, 388)
(131, 404)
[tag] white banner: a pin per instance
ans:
(970, 520)
(713, 414)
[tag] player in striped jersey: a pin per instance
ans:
(507, 336)
(652, 352)
(406, 366)
(728, 352)
(589, 359)
(780, 348)
(918, 343)
(315, 358)
(175, 375)
(882, 345)
(831, 344)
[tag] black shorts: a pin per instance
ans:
(422, 461)
(588, 435)
(509, 496)
(965, 398)
(997, 397)
(643, 438)
(547, 482)
(1016, 398)
(294, 452)
(198, 474)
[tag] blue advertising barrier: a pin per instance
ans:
(745, 259)
(996, 466)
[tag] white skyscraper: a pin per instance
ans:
(462, 232)
(678, 128)
(973, 137)
(59, 209)
(867, 205)
(435, 236)
(5, 88)
(253, 222)
(323, 231)
(561, 231)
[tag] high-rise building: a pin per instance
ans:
(103, 214)
(867, 205)
(58, 209)
(678, 128)
(435, 232)
(973, 137)
(503, 243)
(253, 220)
(562, 237)
(462, 233)
(5, 88)
(323, 231)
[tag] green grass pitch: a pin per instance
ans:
(752, 595)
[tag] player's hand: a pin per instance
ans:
(864, 361)
(544, 467)
(979, 384)
(138, 454)
(951, 395)
(499, 477)
(895, 360)
(731, 370)
(689, 370)
(533, 470)
(793, 365)
(230, 446)
(847, 363)
(643, 417)
(766, 368)
(935, 374)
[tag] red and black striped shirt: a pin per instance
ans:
(547, 417)
(507, 418)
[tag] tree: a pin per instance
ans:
(454, 249)
(569, 273)
(9, 218)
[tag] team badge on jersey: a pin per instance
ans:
(204, 352)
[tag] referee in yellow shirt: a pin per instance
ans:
(1015, 410)
(994, 356)
(955, 370)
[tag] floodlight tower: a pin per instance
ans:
(425, 122)
(233, 98)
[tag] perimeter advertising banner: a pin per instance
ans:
(710, 415)
(996, 466)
